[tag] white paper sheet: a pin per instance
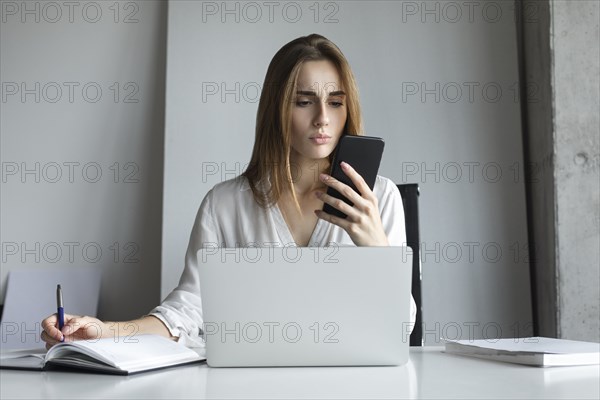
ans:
(534, 345)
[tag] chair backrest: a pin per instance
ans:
(410, 199)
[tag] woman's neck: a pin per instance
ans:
(305, 174)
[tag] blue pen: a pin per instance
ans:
(60, 308)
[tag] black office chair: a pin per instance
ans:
(410, 198)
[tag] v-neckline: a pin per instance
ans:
(283, 228)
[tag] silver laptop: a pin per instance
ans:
(306, 306)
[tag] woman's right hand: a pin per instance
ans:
(75, 328)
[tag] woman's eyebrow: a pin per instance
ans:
(313, 93)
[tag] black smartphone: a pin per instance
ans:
(363, 153)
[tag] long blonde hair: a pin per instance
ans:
(273, 120)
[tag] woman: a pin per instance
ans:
(308, 101)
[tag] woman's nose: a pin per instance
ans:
(322, 118)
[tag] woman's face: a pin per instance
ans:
(319, 111)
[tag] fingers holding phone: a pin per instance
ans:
(350, 202)
(362, 221)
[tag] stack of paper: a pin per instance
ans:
(538, 351)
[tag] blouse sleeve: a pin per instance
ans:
(181, 310)
(392, 218)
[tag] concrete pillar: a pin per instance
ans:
(560, 74)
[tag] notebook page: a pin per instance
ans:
(138, 352)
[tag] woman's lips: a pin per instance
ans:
(320, 139)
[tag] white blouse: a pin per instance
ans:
(230, 217)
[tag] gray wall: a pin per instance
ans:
(441, 88)
(95, 157)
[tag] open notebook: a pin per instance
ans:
(120, 355)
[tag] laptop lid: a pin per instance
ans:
(301, 306)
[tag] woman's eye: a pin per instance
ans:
(303, 103)
(336, 103)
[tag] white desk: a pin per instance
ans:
(429, 374)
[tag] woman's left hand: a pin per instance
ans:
(363, 222)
